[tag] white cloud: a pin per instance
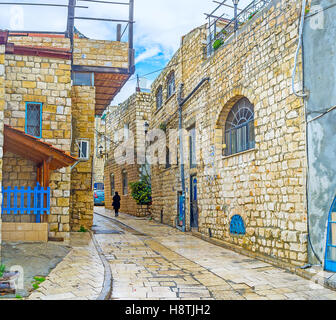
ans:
(159, 24)
(148, 53)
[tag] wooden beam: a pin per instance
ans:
(100, 69)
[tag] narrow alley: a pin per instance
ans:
(153, 261)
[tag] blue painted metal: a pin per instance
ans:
(182, 212)
(330, 260)
(237, 226)
(39, 206)
(26, 122)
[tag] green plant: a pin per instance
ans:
(218, 43)
(18, 297)
(82, 229)
(141, 192)
(2, 270)
(163, 126)
(37, 281)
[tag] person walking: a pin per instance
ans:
(116, 204)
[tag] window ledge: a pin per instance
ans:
(168, 99)
(238, 154)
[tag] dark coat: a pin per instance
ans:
(116, 202)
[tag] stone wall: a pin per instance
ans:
(99, 140)
(265, 185)
(2, 107)
(101, 53)
(83, 113)
(48, 81)
(134, 112)
(53, 41)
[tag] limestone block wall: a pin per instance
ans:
(134, 112)
(54, 41)
(266, 185)
(2, 107)
(166, 183)
(83, 113)
(47, 81)
(102, 53)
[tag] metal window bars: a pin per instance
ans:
(220, 34)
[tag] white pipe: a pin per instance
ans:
(300, 95)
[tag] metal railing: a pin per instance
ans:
(245, 15)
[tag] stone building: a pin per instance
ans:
(99, 150)
(49, 98)
(125, 133)
(244, 145)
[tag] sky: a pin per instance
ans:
(159, 26)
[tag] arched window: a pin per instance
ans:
(239, 128)
(159, 98)
(171, 84)
(124, 182)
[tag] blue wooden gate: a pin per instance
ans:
(330, 252)
(26, 201)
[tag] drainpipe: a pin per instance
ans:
(180, 103)
(303, 12)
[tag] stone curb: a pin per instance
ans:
(107, 284)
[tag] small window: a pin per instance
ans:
(83, 79)
(112, 184)
(168, 164)
(171, 85)
(192, 147)
(34, 119)
(159, 98)
(237, 226)
(83, 149)
(124, 182)
(126, 131)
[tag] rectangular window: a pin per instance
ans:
(83, 78)
(83, 150)
(125, 183)
(112, 184)
(192, 147)
(126, 131)
(34, 119)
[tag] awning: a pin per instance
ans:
(29, 147)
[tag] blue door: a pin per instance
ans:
(330, 254)
(193, 202)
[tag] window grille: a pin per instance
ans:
(83, 150)
(171, 85)
(159, 98)
(34, 119)
(239, 128)
(237, 226)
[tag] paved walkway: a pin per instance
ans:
(79, 276)
(152, 261)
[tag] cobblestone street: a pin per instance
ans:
(153, 261)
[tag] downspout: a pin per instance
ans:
(303, 12)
